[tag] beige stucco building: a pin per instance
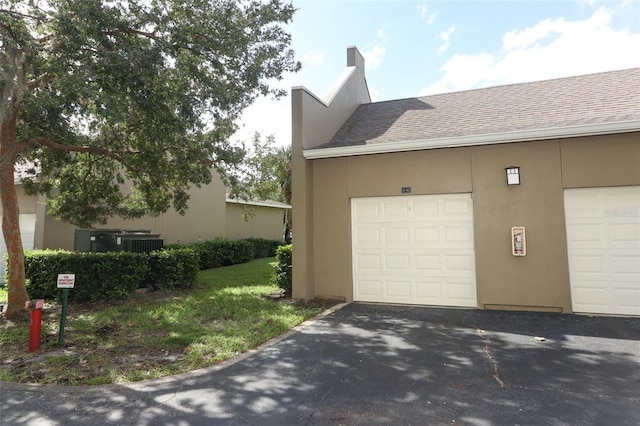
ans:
(408, 201)
(211, 214)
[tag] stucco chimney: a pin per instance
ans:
(354, 58)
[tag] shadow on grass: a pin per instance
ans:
(374, 364)
(153, 334)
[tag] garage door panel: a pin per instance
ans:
(582, 207)
(397, 261)
(395, 210)
(628, 299)
(367, 234)
(624, 232)
(595, 298)
(456, 208)
(398, 288)
(370, 286)
(429, 292)
(620, 202)
(585, 234)
(428, 262)
(623, 265)
(426, 209)
(603, 240)
(395, 235)
(460, 264)
(427, 247)
(458, 234)
(426, 234)
(368, 261)
(588, 263)
(460, 291)
(366, 210)
(592, 299)
(594, 236)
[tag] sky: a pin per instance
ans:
(416, 48)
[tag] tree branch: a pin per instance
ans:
(35, 83)
(146, 34)
(57, 147)
(19, 15)
(45, 39)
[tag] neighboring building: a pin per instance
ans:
(407, 201)
(264, 219)
(211, 214)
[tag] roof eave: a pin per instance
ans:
(272, 204)
(474, 140)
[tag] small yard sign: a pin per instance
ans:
(66, 280)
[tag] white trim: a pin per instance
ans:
(274, 204)
(308, 92)
(337, 88)
(472, 140)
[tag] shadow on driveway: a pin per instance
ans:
(379, 364)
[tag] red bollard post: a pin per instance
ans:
(36, 323)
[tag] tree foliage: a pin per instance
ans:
(265, 174)
(119, 107)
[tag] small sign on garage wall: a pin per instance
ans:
(405, 190)
(518, 241)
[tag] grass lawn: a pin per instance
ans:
(154, 334)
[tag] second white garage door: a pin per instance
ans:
(603, 239)
(414, 250)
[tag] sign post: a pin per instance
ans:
(65, 282)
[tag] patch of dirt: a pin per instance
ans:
(89, 360)
(81, 361)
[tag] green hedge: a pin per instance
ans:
(263, 247)
(282, 269)
(115, 275)
(224, 252)
(99, 276)
(173, 268)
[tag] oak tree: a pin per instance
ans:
(95, 93)
(265, 174)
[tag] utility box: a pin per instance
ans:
(82, 240)
(105, 240)
(142, 243)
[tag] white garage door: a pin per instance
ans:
(27, 230)
(414, 249)
(603, 238)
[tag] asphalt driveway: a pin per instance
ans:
(375, 364)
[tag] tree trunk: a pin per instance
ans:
(11, 216)
(287, 226)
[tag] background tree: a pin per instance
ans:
(94, 94)
(265, 174)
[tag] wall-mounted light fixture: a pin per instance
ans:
(513, 175)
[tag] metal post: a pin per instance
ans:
(34, 331)
(63, 317)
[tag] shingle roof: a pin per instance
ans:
(573, 101)
(255, 202)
